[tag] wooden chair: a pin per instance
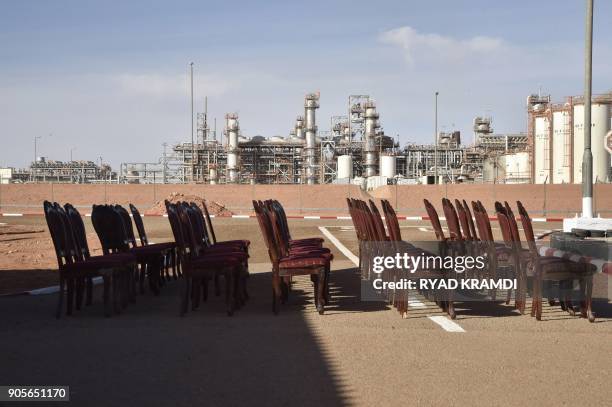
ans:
(166, 249)
(76, 265)
(292, 264)
(556, 269)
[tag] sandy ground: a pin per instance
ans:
(356, 354)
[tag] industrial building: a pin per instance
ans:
(355, 149)
(556, 133)
(68, 172)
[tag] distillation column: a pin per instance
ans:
(311, 103)
(232, 129)
(299, 127)
(369, 145)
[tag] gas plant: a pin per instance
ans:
(356, 150)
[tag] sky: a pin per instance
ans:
(110, 79)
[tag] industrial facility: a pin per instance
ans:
(356, 150)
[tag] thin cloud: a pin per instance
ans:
(159, 85)
(416, 46)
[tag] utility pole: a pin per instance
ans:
(192, 143)
(33, 168)
(436, 140)
(587, 157)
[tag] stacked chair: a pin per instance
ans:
(374, 241)
(167, 249)
(202, 261)
(476, 237)
(292, 257)
(77, 267)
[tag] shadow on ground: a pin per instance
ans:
(150, 356)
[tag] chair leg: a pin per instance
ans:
(321, 292)
(142, 268)
(217, 286)
(588, 298)
(276, 292)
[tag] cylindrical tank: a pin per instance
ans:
(542, 150)
(311, 103)
(517, 168)
(600, 124)
(561, 146)
(232, 128)
(369, 145)
(212, 175)
(345, 166)
(388, 166)
(299, 127)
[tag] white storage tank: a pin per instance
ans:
(542, 150)
(562, 147)
(345, 167)
(517, 168)
(388, 166)
(600, 124)
(212, 175)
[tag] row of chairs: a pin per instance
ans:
(291, 257)
(126, 261)
(374, 241)
(119, 265)
(474, 235)
(204, 260)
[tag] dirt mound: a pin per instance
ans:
(214, 208)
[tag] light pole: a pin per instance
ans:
(587, 157)
(33, 172)
(71, 150)
(436, 139)
(192, 145)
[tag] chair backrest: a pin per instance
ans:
(465, 227)
(468, 213)
(182, 245)
(65, 249)
(391, 220)
(211, 237)
(434, 219)
(265, 225)
(527, 228)
(504, 224)
(452, 220)
(199, 224)
(78, 230)
(513, 225)
(378, 222)
(142, 234)
(126, 221)
(110, 228)
(484, 216)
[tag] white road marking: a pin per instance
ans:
(12, 214)
(444, 322)
(312, 217)
(343, 249)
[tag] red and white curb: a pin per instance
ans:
(307, 217)
(602, 266)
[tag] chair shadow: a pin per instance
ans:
(149, 355)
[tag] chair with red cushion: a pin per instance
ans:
(197, 265)
(556, 269)
(292, 263)
(76, 265)
(166, 249)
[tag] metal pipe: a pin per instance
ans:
(192, 144)
(311, 103)
(436, 140)
(587, 158)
